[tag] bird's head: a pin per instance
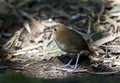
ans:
(56, 28)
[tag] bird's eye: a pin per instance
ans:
(55, 29)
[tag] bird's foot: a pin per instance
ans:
(69, 69)
(73, 70)
(67, 65)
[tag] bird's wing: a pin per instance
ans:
(77, 40)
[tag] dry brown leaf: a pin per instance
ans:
(38, 26)
(105, 40)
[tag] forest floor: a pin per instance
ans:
(25, 48)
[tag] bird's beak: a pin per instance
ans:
(47, 30)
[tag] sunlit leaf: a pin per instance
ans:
(115, 9)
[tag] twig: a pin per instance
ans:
(28, 48)
(3, 67)
(105, 73)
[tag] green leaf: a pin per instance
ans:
(97, 36)
(115, 9)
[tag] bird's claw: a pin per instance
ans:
(73, 70)
(69, 69)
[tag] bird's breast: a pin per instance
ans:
(62, 46)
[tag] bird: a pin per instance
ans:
(69, 41)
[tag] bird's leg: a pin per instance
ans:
(72, 69)
(76, 64)
(68, 64)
